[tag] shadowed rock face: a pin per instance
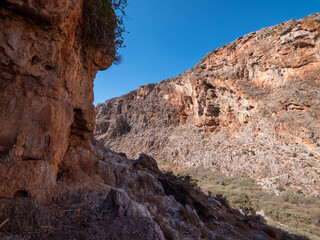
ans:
(46, 82)
(249, 108)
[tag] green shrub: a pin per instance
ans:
(299, 191)
(299, 213)
(189, 179)
(239, 201)
(281, 188)
(102, 25)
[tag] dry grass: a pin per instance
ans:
(189, 217)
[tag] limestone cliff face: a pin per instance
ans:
(250, 108)
(46, 82)
(54, 182)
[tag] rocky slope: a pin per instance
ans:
(131, 199)
(249, 109)
(56, 184)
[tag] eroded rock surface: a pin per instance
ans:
(128, 199)
(46, 92)
(249, 109)
(56, 184)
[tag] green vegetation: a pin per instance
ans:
(142, 111)
(292, 212)
(187, 178)
(281, 188)
(102, 25)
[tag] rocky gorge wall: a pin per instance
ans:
(55, 182)
(46, 92)
(248, 109)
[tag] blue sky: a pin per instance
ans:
(168, 37)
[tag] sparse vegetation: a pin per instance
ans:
(247, 152)
(189, 179)
(281, 188)
(102, 25)
(296, 213)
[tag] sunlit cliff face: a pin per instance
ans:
(46, 92)
(247, 109)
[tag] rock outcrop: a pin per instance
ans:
(130, 199)
(55, 183)
(249, 109)
(46, 93)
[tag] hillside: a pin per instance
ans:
(248, 109)
(56, 182)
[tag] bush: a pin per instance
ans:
(299, 213)
(102, 25)
(281, 188)
(240, 201)
(187, 178)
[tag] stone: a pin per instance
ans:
(46, 92)
(248, 109)
(56, 182)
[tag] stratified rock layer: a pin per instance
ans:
(250, 108)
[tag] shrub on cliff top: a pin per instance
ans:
(103, 25)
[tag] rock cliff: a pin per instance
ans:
(248, 109)
(46, 93)
(55, 183)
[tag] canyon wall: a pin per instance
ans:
(46, 98)
(55, 183)
(248, 109)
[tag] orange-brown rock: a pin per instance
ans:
(250, 109)
(55, 184)
(46, 82)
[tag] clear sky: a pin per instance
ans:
(168, 37)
